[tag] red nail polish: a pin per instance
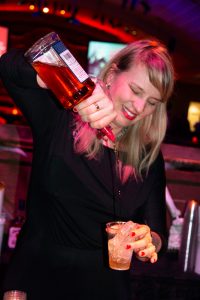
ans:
(128, 247)
(142, 253)
(132, 233)
(108, 132)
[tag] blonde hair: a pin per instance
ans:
(141, 143)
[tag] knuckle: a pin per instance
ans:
(90, 119)
(131, 223)
(96, 124)
(92, 125)
(99, 124)
(83, 118)
(154, 248)
(147, 228)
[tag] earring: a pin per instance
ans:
(107, 86)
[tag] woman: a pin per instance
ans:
(80, 181)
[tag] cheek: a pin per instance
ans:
(115, 96)
(119, 95)
(147, 112)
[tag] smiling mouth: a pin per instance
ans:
(128, 114)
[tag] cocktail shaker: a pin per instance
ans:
(187, 253)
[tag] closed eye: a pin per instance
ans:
(135, 92)
(152, 102)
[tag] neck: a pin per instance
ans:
(119, 134)
(116, 129)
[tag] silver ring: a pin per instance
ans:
(97, 106)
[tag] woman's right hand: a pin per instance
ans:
(98, 109)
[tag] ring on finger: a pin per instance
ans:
(97, 106)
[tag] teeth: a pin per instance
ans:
(128, 112)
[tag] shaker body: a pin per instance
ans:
(187, 254)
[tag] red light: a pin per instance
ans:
(2, 121)
(31, 6)
(195, 140)
(15, 111)
(62, 12)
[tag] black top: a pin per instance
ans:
(70, 199)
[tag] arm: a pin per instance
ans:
(149, 238)
(19, 78)
(13, 67)
(154, 209)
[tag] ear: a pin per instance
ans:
(111, 74)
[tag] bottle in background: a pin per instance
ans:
(16, 224)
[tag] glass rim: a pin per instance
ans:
(109, 224)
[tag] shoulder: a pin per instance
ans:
(15, 69)
(157, 168)
(159, 161)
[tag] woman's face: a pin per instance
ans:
(133, 95)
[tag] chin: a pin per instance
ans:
(121, 124)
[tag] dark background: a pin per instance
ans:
(175, 23)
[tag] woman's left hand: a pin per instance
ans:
(143, 245)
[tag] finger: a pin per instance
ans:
(147, 237)
(123, 234)
(141, 244)
(141, 231)
(96, 110)
(102, 121)
(90, 109)
(138, 245)
(97, 95)
(154, 258)
(147, 252)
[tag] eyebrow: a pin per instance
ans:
(142, 90)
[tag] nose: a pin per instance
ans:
(139, 105)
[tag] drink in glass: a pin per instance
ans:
(119, 256)
(15, 295)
